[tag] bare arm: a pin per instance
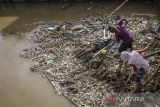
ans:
(132, 67)
(145, 49)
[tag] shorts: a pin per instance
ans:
(124, 46)
(139, 74)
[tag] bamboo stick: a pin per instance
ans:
(151, 54)
(117, 8)
(49, 79)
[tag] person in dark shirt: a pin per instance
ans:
(121, 34)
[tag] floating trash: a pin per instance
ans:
(50, 62)
(66, 54)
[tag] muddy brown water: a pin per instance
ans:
(18, 86)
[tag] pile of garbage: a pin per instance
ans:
(56, 46)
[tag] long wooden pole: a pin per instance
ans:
(117, 8)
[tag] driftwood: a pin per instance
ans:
(151, 54)
(127, 80)
(157, 38)
(155, 73)
(50, 81)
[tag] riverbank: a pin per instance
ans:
(28, 15)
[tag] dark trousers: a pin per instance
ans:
(124, 46)
(139, 74)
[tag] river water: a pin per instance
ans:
(18, 86)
